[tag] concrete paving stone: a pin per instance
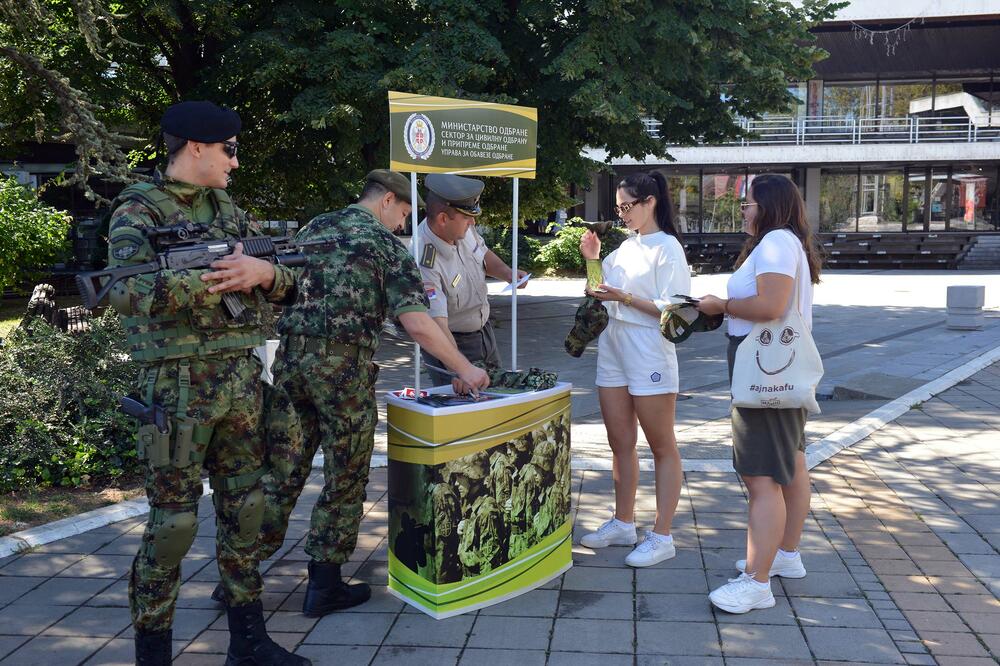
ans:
(877, 596)
(920, 660)
(723, 558)
(99, 566)
(897, 625)
(675, 660)
(39, 564)
(852, 644)
(935, 621)
(681, 607)
(30, 620)
(968, 544)
(743, 661)
(496, 657)
(982, 623)
(121, 652)
(944, 568)
(677, 638)
(992, 642)
(351, 629)
(10, 643)
(84, 543)
(418, 656)
(212, 641)
(13, 587)
(975, 603)
(371, 572)
(920, 553)
(601, 579)
(952, 644)
(94, 622)
(983, 522)
(48, 650)
(890, 614)
(715, 538)
(64, 591)
(115, 594)
(613, 556)
(813, 612)
(536, 603)
(904, 636)
(983, 566)
(902, 567)
(763, 641)
(589, 659)
(957, 585)
(895, 583)
(526, 633)
(611, 636)
(424, 631)
(670, 581)
(824, 585)
(126, 544)
(337, 655)
(582, 604)
(196, 594)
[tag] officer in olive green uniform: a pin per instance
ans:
(454, 262)
(324, 376)
(197, 362)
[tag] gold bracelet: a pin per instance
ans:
(628, 300)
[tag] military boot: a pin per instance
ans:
(327, 592)
(249, 644)
(219, 596)
(153, 648)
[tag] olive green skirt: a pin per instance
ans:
(765, 441)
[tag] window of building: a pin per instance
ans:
(684, 193)
(722, 192)
(838, 200)
(973, 198)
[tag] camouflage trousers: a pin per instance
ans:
(324, 396)
(225, 400)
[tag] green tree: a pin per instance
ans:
(32, 235)
(310, 79)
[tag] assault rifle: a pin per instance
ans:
(179, 246)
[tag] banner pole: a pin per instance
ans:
(513, 280)
(414, 239)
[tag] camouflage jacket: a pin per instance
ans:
(346, 293)
(172, 303)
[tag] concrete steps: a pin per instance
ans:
(983, 255)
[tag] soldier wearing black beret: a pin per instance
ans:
(197, 364)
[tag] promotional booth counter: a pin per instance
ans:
(479, 497)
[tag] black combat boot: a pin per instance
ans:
(153, 648)
(219, 596)
(327, 592)
(249, 644)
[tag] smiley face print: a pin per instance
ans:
(786, 337)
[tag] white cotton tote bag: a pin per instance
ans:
(778, 366)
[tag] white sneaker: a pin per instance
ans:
(741, 595)
(786, 567)
(652, 550)
(612, 533)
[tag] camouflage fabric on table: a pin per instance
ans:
(324, 377)
(590, 321)
(226, 397)
(535, 379)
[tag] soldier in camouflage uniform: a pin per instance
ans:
(197, 362)
(447, 515)
(325, 377)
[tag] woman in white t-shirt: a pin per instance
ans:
(636, 367)
(768, 444)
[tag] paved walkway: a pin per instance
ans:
(901, 546)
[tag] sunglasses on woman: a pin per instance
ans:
(230, 148)
(622, 209)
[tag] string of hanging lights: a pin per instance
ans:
(892, 37)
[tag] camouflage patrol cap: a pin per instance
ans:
(532, 378)
(458, 192)
(395, 182)
(681, 318)
(591, 320)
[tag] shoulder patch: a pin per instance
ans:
(125, 250)
(429, 256)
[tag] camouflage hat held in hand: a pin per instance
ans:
(681, 318)
(591, 320)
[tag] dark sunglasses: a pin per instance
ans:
(624, 208)
(230, 148)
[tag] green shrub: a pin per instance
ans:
(59, 418)
(563, 253)
(32, 235)
(498, 240)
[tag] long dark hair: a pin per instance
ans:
(780, 206)
(640, 185)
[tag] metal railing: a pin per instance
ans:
(803, 130)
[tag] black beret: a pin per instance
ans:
(200, 121)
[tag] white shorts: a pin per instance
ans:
(638, 357)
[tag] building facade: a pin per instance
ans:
(898, 132)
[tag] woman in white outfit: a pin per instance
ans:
(768, 444)
(636, 367)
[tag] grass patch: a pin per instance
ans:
(30, 508)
